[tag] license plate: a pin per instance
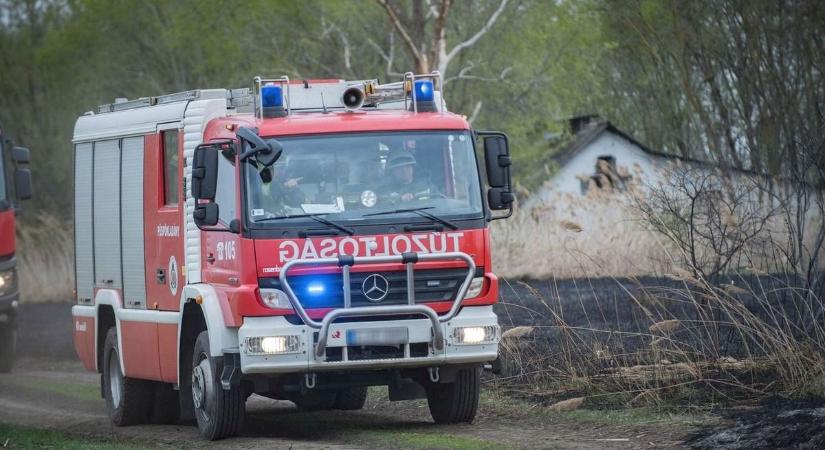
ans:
(378, 336)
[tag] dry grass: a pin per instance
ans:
(46, 262)
(695, 346)
(697, 341)
(574, 237)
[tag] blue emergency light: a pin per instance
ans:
(272, 101)
(272, 96)
(424, 91)
(423, 96)
(315, 288)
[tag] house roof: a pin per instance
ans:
(588, 133)
(592, 127)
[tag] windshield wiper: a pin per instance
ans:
(316, 217)
(421, 212)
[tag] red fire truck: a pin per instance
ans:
(295, 240)
(15, 185)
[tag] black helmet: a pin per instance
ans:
(400, 160)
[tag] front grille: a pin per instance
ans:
(430, 286)
(373, 352)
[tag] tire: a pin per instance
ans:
(128, 400)
(219, 413)
(316, 401)
(8, 345)
(458, 401)
(350, 399)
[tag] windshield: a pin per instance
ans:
(378, 177)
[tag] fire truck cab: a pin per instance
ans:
(15, 186)
(295, 240)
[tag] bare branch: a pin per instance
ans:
(387, 56)
(464, 74)
(474, 114)
(396, 22)
(445, 60)
(439, 45)
(333, 28)
(432, 11)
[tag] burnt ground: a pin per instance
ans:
(597, 307)
(50, 389)
(614, 316)
(775, 424)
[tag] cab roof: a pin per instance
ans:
(299, 123)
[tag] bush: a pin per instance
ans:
(45, 256)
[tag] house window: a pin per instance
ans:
(170, 167)
(606, 164)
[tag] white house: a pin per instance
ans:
(599, 154)
(579, 215)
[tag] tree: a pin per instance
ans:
(733, 82)
(713, 217)
(423, 29)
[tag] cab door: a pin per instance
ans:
(164, 229)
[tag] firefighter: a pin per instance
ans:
(278, 193)
(401, 183)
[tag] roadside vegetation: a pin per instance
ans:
(715, 298)
(46, 259)
(18, 437)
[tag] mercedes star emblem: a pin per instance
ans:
(375, 287)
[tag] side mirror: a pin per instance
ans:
(23, 184)
(206, 214)
(205, 172)
(265, 152)
(497, 163)
(500, 198)
(20, 155)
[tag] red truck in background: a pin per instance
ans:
(15, 185)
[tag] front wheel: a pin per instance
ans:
(457, 401)
(219, 412)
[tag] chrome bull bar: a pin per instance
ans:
(347, 261)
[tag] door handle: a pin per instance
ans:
(160, 275)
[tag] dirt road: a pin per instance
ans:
(49, 389)
(60, 395)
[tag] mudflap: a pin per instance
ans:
(231, 374)
(406, 389)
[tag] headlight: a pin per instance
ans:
(272, 345)
(475, 287)
(8, 281)
(275, 299)
(476, 335)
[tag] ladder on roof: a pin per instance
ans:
(304, 96)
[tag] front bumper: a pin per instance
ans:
(420, 331)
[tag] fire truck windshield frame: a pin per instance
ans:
(365, 179)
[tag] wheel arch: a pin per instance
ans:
(201, 310)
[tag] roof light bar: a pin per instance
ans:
(269, 97)
(422, 89)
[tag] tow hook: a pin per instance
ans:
(309, 380)
(434, 376)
